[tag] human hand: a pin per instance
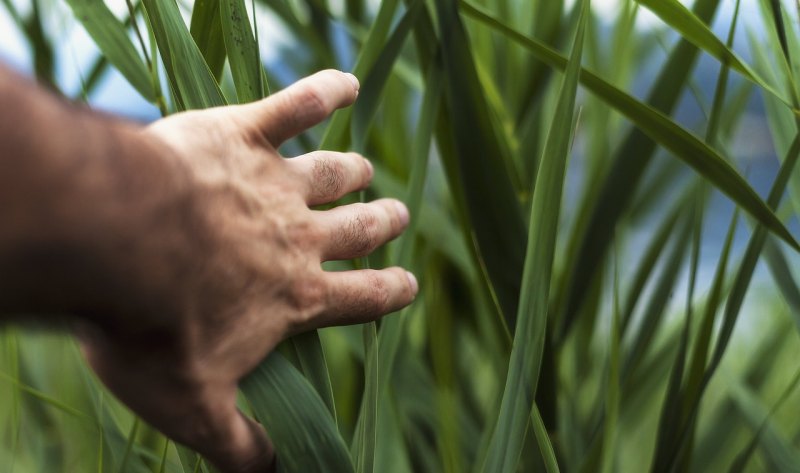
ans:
(214, 282)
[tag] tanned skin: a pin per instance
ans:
(185, 251)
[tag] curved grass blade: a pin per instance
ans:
(206, 29)
(311, 356)
(528, 346)
(476, 169)
(741, 460)
(190, 78)
(243, 56)
(372, 88)
(698, 33)
(660, 128)
(335, 136)
(112, 39)
(300, 426)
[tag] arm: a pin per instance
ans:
(186, 250)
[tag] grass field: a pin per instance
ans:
(590, 299)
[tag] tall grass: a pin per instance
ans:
(579, 308)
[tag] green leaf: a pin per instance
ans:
(206, 29)
(528, 346)
(476, 169)
(371, 91)
(190, 78)
(242, 51)
(698, 33)
(299, 424)
(660, 128)
(112, 39)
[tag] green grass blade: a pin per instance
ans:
(300, 425)
(364, 441)
(476, 169)
(654, 309)
(190, 78)
(242, 50)
(741, 460)
(336, 136)
(782, 275)
(112, 39)
(311, 356)
(698, 33)
(659, 127)
(528, 346)
(543, 440)
(206, 29)
(372, 88)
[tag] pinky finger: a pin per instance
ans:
(365, 295)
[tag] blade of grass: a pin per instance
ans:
(476, 169)
(528, 346)
(206, 29)
(741, 460)
(110, 36)
(371, 91)
(299, 424)
(190, 78)
(698, 33)
(242, 50)
(660, 128)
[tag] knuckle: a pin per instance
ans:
(312, 99)
(361, 233)
(378, 292)
(307, 297)
(328, 175)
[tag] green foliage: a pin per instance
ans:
(572, 315)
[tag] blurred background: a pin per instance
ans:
(666, 274)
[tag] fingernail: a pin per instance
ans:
(402, 212)
(370, 169)
(412, 281)
(354, 80)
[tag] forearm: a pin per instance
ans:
(74, 187)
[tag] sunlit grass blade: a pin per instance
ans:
(242, 51)
(190, 78)
(300, 426)
(206, 29)
(336, 136)
(528, 346)
(112, 39)
(698, 33)
(661, 129)
(371, 91)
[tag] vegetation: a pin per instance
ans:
(574, 315)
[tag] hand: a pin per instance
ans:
(212, 283)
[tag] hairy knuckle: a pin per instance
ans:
(363, 232)
(328, 175)
(378, 292)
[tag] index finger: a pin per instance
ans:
(302, 105)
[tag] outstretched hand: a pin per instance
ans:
(214, 282)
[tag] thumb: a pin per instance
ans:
(234, 443)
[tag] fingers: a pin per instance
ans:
(327, 176)
(302, 105)
(362, 296)
(352, 231)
